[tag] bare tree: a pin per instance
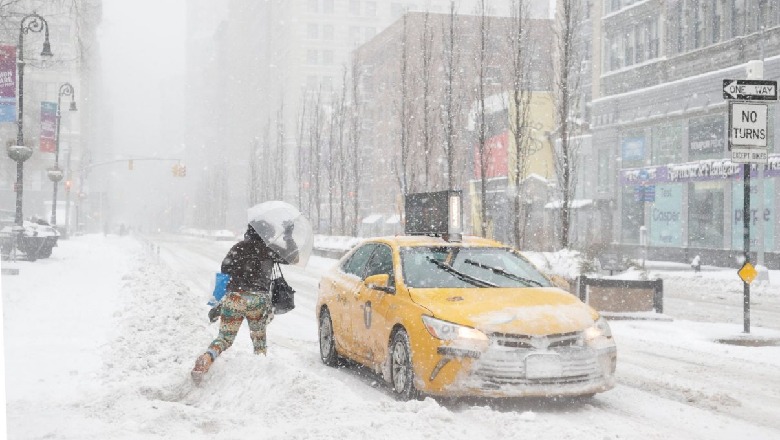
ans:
(280, 170)
(254, 172)
(426, 46)
(481, 113)
(299, 149)
(315, 141)
(356, 127)
(451, 103)
(402, 168)
(566, 87)
(341, 110)
(520, 48)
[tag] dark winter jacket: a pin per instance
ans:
(250, 262)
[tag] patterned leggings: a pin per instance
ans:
(255, 307)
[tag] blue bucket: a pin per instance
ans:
(220, 287)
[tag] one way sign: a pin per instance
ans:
(750, 89)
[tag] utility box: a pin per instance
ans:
(434, 213)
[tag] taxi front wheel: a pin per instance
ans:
(327, 341)
(401, 370)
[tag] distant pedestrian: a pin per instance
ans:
(249, 265)
(696, 264)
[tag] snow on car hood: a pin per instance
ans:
(529, 311)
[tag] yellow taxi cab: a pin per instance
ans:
(460, 318)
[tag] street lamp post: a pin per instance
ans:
(21, 152)
(55, 174)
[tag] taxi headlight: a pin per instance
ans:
(599, 329)
(448, 331)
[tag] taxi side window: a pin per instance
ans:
(381, 262)
(356, 264)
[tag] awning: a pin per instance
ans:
(373, 218)
(394, 219)
(574, 204)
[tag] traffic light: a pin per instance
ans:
(68, 184)
(179, 170)
(130, 164)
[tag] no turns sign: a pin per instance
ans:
(747, 125)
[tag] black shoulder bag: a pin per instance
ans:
(282, 295)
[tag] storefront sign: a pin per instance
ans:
(666, 216)
(7, 83)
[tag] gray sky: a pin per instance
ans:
(142, 48)
(142, 44)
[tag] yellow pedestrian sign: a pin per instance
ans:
(748, 273)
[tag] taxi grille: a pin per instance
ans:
(505, 362)
(571, 339)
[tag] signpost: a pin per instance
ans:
(750, 89)
(748, 137)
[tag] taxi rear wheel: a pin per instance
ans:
(401, 372)
(327, 340)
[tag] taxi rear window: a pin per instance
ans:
(462, 267)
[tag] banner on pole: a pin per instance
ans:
(7, 83)
(48, 127)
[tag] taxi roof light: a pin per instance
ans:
(437, 214)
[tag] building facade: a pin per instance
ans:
(660, 159)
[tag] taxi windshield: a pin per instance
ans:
(456, 266)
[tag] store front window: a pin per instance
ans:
(705, 215)
(666, 216)
(632, 150)
(706, 137)
(633, 216)
(667, 144)
(764, 216)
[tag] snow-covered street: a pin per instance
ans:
(99, 341)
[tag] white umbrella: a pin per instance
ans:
(270, 219)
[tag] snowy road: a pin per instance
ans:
(673, 381)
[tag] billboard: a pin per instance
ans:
(48, 127)
(7, 83)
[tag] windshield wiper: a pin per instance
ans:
(502, 272)
(460, 275)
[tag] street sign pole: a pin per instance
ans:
(746, 235)
(748, 135)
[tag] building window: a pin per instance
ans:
(698, 25)
(604, 176)
(738, 18)
(653, 42)
(311, 56)
(327, 6)
(705, 215)
(633, 216)
(354, 7)
(312, 31)
(313, 5)
(717, 17)
(327, 57)
(628, 47)
(706, 137)
(371, 9)
(370, 33)
(327, 83)
(667, 144)
(354, 34)
(640, 34)
(327, 32)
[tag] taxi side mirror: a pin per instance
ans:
(560, 282)
(380, 282)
